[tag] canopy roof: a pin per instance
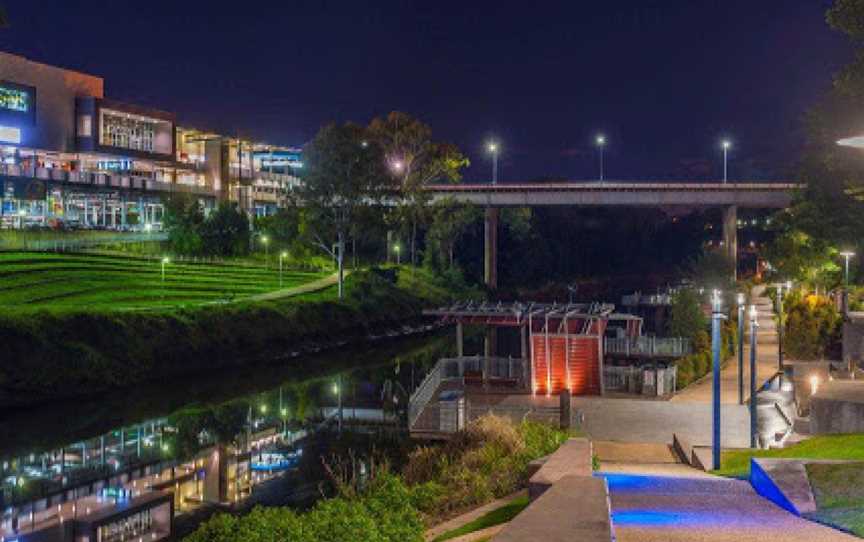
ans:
(518, 313)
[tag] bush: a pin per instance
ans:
(812, 327)
(488, 459)
(384, 513)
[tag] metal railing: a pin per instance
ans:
(641, 380)
(454, 369)
(667, 347)
(653, 300)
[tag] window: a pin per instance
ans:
(127, 131)
(85, 126)
(14, 99)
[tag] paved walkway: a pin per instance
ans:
(766, 361)
(313, 286)
(655, 498)
(674, 503)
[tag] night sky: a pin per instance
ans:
(663, 79)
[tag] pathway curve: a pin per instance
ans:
(306, 288)
(766, 360)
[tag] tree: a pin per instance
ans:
(450, 219)
(344, 174)
(414, 161)
(226, 231)
(4, 19)
(825, 215)
(183, 219)
(686, 318)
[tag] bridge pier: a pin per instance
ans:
(490, 249)
(730, 237)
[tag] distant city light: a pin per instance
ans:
(601, 140)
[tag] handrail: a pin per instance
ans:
(650, 346)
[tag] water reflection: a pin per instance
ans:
(208, 438)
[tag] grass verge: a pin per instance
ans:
(494, 517)
(839, 493)
(736, 464)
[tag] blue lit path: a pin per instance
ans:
(671, 503)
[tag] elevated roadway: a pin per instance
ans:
(728, 196)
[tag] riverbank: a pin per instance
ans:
(50, 355)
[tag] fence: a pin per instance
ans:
(666, 347)
(641, 380)
(491, 371)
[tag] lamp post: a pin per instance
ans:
(266, 242)
(398, 250)
(492, 147)
(601, 145)
(716, 318)
(741, 300)
(165, 261)
(847, 255)
(726, 144)
(337, 389)
(780, 326)
(282, 256)
(754, 326)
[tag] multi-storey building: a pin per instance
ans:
(71, 157)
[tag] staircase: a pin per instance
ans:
(767, 332)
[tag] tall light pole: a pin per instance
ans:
(754, 413)
(165, 261)
(492, 147)
(726, 144)
(398, 250)
(337, 389)
(846, 255)
(282, 256)
(741, 300)
(716, 339)
(601, 145)
(266, 242)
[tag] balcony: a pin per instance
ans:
(102, 180)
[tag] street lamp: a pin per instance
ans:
(397, 248)
(337, 389)
(741, 298)
(754, 326)
(282, 256)
(726, 144)
(600, 140)
(165, 261)
(266, 242)
(847, 255)
(492, 147)
(716, 318)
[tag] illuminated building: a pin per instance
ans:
(71, 157)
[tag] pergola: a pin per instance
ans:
(563, 341)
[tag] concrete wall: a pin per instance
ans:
(838, 408)
(853, 340)
(56, 90)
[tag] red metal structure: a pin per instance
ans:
(563, 342)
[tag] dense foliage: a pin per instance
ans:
(224, 232)
(381, 513)
(488, 459)
(813, 327)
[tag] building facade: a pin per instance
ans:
(70, 157)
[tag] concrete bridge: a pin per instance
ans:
(727, 196)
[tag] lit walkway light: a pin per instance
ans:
(726, 144)
(493, 149)
(600, 141)
(165, 261)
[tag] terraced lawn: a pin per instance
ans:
(30, 280)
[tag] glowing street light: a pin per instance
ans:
(814, 384)
(397, 248)
(726, 144)
(282, 256)
(717, 317)
(600, 141)
(493, 149)
(266, 242)
(263, 409)
(165, 261)
(847, 255)
(397, 166)
(741, 299)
